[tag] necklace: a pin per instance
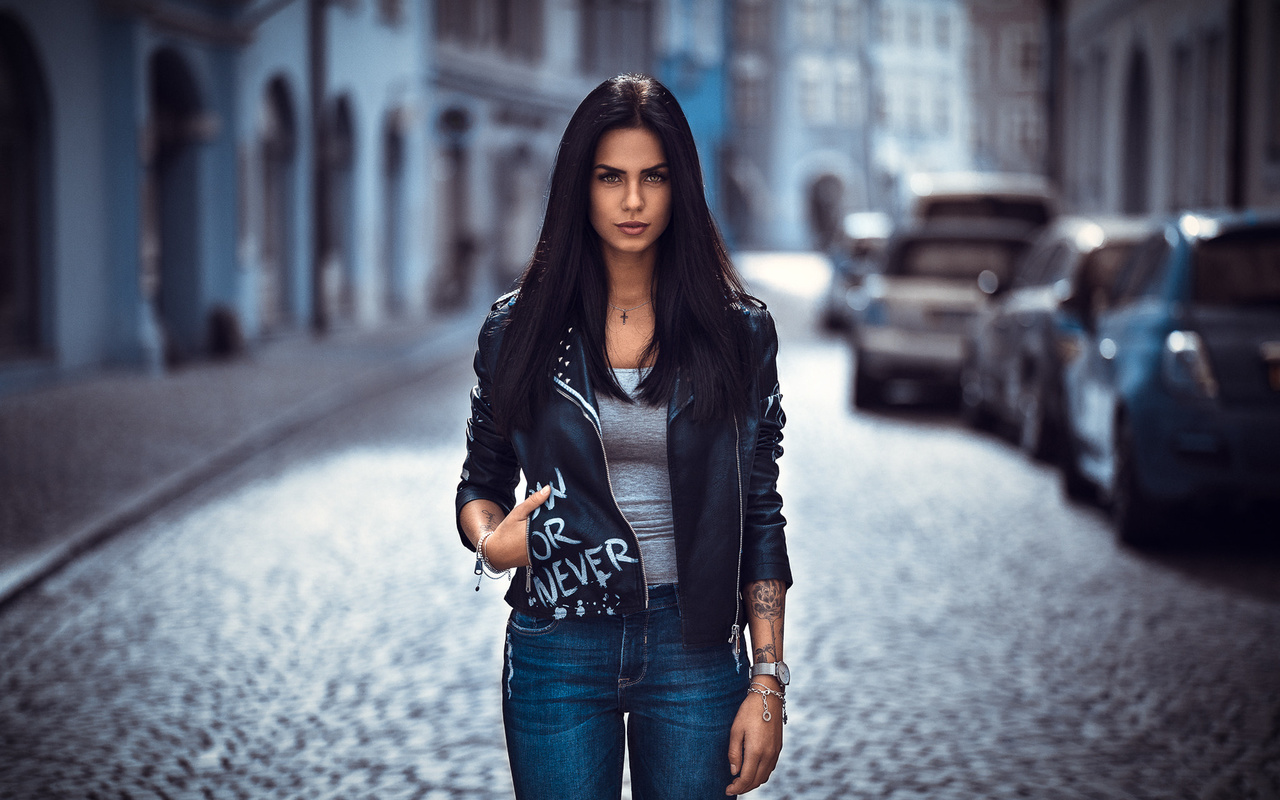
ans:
(626, 310)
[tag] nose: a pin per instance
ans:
(634, 200)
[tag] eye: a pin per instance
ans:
(608, 177)
(656, 177)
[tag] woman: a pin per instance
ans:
(633, 381)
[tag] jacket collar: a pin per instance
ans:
(572, 377)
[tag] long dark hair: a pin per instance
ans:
(700, 329)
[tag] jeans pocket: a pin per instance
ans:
(530, 625)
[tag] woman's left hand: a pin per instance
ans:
(754, 744)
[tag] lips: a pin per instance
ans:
(632, 228)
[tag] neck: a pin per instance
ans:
(630, 277)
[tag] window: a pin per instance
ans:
(1239, 270)
(1028, 131)
(456, 20)
(848, 93)
(1141, 276)
(1183, 125)
(749, 90)
(1273, 85)
(979, 68)
(751, 23)
(1034, 269)
(1021, 53)
(913, 25)
(847, 22)
(1029, 61)
(519, 28)
(810, 21)
(815, 92)
(913, 119)
(886, 33)
(617, 36)
(1214, 119)
(942, 111)
(391, 11)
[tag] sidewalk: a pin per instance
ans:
(83, 460)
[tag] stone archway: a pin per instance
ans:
(393, 214)
(24, 192)
(279, 148)
(454, 280)
(339, 162)
(1135, 190)
(824, 200)
(170, 254)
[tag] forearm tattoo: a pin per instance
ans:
(490, 523)
(766, 599)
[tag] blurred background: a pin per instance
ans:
(183, 179)
(1024, 256)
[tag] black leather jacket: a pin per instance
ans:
(585, 557)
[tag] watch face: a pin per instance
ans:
(784, 674)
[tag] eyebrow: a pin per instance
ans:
(608, 168)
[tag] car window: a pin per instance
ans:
(1140, 275)
(1103, 265)
(1238, 269)
(986, 207)
(949, 258)
(1029, 270)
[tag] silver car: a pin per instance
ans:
(912, 316)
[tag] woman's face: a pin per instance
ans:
(630, 191)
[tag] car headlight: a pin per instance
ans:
(1186, 367)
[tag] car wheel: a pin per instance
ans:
(1075, 486)
(866, 390)
(973, 409)
(1034, 426)
(1135, 516)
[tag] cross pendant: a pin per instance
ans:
(624, 318)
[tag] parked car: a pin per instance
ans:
(911, 316)
(1174, 392)
(856, 254)
(1012, 377)
(980, 195)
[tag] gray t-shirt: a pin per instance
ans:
(635, 445)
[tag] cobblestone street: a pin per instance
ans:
(307, 626)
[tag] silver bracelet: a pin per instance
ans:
(765, 693)
(483, 567)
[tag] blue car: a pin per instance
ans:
(1173, 384)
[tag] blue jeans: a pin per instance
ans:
(567, 683)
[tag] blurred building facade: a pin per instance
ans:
(199, 174)
(832, 104)
(181, 177)
(1009, 76)
(1170, 105)
(504, 80)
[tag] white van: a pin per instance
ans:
(980, 195)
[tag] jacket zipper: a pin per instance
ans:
(528, 549)
(735, 633)
(639, 556)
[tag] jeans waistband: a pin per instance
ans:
(662, 595)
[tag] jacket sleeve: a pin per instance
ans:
(764, 542)
(490, 470)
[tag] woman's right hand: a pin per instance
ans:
(506, 546)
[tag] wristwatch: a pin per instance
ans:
(777, 669)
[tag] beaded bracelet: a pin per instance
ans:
(483, 567)
(765, 692)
